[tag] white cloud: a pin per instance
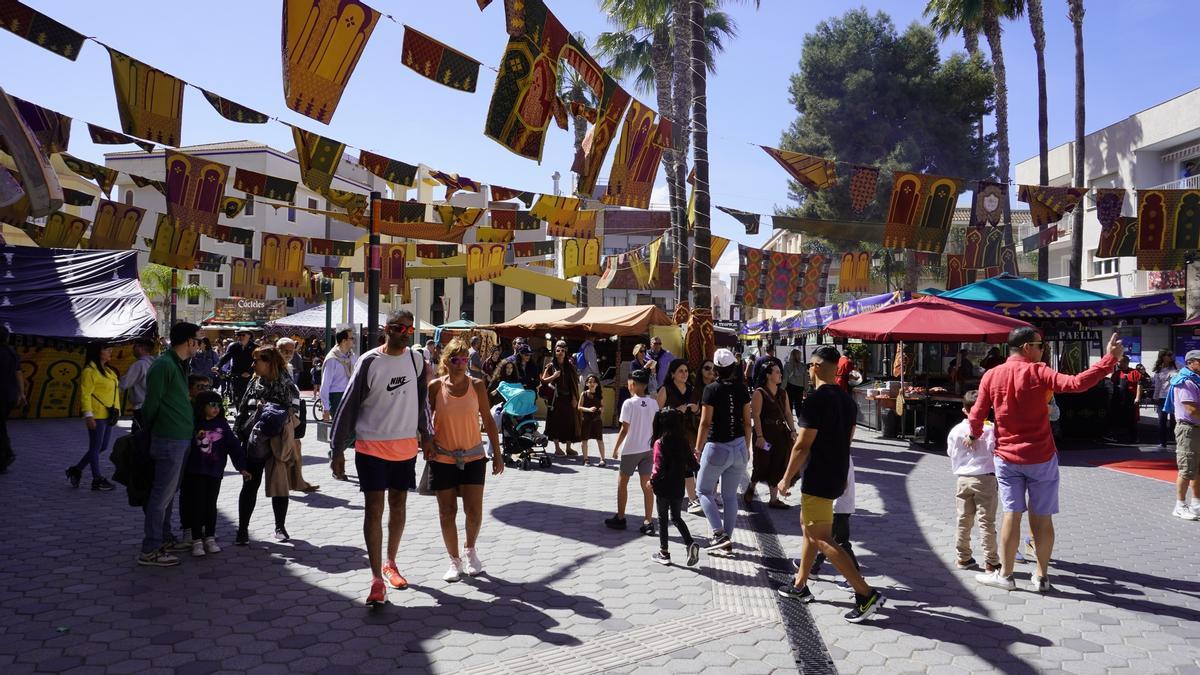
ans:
(660, 197)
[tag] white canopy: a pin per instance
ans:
(314, 317)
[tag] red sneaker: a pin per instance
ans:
(393, 575)
(378, 595)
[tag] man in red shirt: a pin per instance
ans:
(845, 366)
(1026, 458)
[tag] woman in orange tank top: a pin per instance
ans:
(457, 462)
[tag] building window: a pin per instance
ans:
(497, 304)
(1104, 266)
(557, 304)
(129, 197)
(193, 280)
(468, 301)
(220, 280)
(249, 205)
(312, 203)
(437, 309)
(528, 301)
(291, 215)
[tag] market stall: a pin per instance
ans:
(579, 322)
(900, 407)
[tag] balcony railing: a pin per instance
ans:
(1189, 183)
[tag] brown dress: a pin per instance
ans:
(591, 424)
(562, 419)
(770, 465)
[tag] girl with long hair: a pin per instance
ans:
(100, 403)
(591, 420)
(673, 461)
(561, 420)
(1160, 378)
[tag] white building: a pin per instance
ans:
(626, 229)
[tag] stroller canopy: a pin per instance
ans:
(519, 401)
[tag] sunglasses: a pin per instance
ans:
(459, 360)
(400, 329)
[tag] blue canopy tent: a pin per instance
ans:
(1042, 302)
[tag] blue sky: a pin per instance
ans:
(1137, 56)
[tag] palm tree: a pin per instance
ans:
(1038, 27)
(1075, 14)
(158, 281)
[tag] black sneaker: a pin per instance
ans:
(864, 606)
(242, 538)
(967, 564)
(281, 534)
(801, 594)
(157, 558)
(102, 485)
(74, 475)
(647, 529)
(661, 558)
(615, 523)
(693, 554)
(720, 542)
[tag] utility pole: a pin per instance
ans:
(373, 273)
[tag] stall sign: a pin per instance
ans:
(248, 310)
(1075, 336)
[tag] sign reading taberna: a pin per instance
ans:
(248, 310)
(1074, 336)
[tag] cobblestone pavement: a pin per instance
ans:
(562, 594)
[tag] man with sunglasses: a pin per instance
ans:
(1019, 392)
(385, 410)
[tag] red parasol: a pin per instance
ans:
(927, 319)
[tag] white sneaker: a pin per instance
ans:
(454, 572)
(210, 545)
(1040, 584)
(474, 564)
(1185, 513)
(994, 580)
(197, 549)
(1195, 508)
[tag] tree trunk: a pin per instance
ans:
(702, 289)
(971, 40)
(682, 53)
(991, 28)
(1076, 15)
(1038, 27)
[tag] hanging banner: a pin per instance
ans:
(331, 247)
(638, 156)
(920, 212)
(1049, 204)
(262, 185)
(104, 176)
(102, 136)
(209, 262)
(395, 211)
(233, 235)
(244, 280)
(149, 101)
(749, 220)
(581, 257)
(533, 249)
(1040, 239)
(322, 42)
(987, 203)
(282, 257)
(142, 182)
(514, 220)
(492, 235)
(454, 182)
(40, 29)
(1109, 204)
(484, 261)
(851, 231)
(353, 203)
(539, 284)
(70, 197)
(391, 263)
(391, 170)
(774, 280)
(613, 100)
(1118, 239)
(445, 272)
(63, 230)
(116, 225)
(51, 130)
(855, 273)
(864, 182)
(564, 218)
(436, 251)
(437, 62)
(425, 231)
(195, 190)
(234, 112)
(458, 216)
(814, 173)
(503, 194)
(232, 207)
(174, 245)
(319, 156)
(955, 273)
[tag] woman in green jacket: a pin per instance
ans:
(100, 403)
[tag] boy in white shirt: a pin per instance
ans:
(637, 430)
(976, 492)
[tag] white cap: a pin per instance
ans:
(724, 358)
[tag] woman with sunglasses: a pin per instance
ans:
(677, 393)
(271, 384)
(457, 463)
(562, 422)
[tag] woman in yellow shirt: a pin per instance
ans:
(100, 403)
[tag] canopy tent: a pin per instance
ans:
(73, 294)
(1041, 301)
(812, 320)
(583, 321)
(447, 331)
(928, 319)
(1192, 322)
(311, 322)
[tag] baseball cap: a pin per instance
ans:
(724, 358)
(524, 349)
(640, 376)
(1193, 355)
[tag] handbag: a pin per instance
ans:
(114, 413)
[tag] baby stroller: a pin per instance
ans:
(520, 440)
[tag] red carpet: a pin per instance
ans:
(1158, 469)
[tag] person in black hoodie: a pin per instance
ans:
(673, 463)
(213, 445)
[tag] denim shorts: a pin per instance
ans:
(1040, 481)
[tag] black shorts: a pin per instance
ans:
(377, 475)
(444, 476)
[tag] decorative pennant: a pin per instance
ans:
(438, 62)
(233, 235)
(564, 217)
(1040, 239)
(195, 190)
(987, 203)
(581, 257)
(174, 245)
(920, 212)
(40, 29)
(783, 281)
(282, 257)
(454, 182)
(546, 285)
(234, 112)
(1109, 204)
(395, 211)
(981, 247)
(104, 176)
(391, 263)
(232, 207)
(436, 251)
(426, 231)
(514, 220)
(855, 273)
(51, 130)
(354, 203)
(955, 276)
(439, 272)
(458, 215)
(748, 220)
(1049, 204)
(116, 225)
(533, 249)
(1118, 239)
(814, 173)
(150, 101)
(493, 235)
(864, 181)
(62, 230)
(612, 102)
(319, 156)
(102, 136)
(262, 185)
(1008, 261)
(716, 249)
(142, 182)
(391, 170)
(71, 197)
(331, 247)
(244, 279)
(322, 42)
(485, 261)
(209, 262)
(1168, 227)
(638, 156)
(503, 194)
